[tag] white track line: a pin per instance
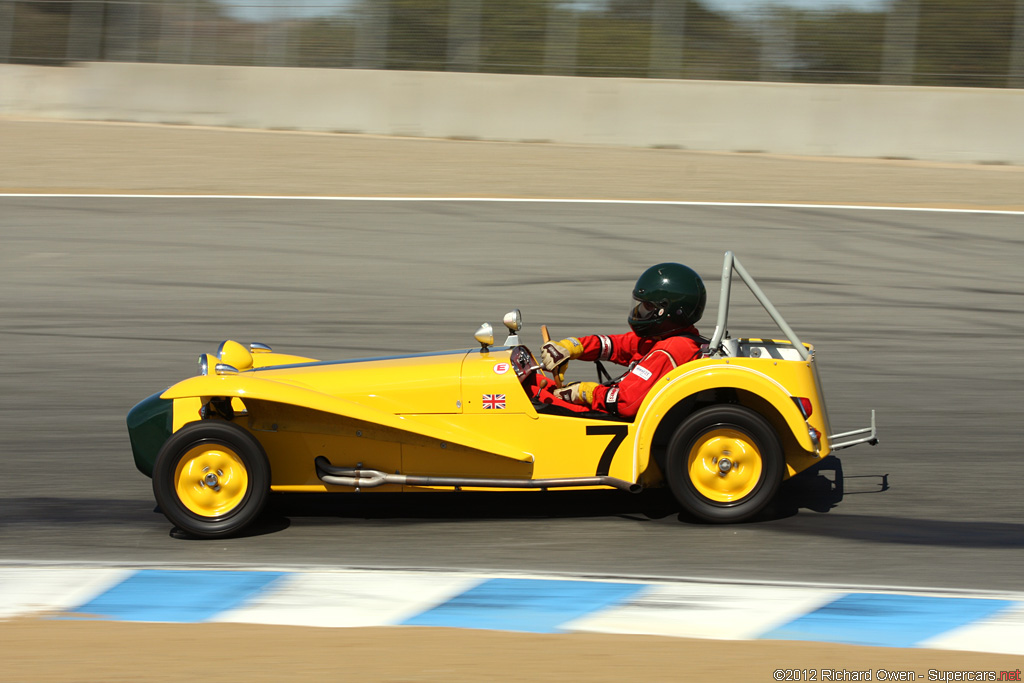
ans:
(520, 200)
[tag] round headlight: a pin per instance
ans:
(204, 364)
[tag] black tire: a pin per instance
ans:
(730, 492)
(238, 472)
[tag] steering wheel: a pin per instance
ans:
(558, 374)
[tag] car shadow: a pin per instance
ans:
(474, 505)
(33, 511)
(268, 523)
(654, 506)
(821, 488)
(907, 531)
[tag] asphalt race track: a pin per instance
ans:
(915, 314)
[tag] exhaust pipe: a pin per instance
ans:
(368, 479)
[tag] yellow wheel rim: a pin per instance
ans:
(724, 465)
(211, 480)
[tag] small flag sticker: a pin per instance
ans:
(494, 401)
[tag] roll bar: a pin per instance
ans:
(731, 265)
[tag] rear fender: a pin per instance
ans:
(677, 388)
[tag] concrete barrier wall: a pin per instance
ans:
(945, 124)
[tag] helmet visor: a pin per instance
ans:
(645, 310)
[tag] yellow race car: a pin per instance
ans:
(720, 432)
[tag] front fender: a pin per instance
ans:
(248, 386)
(720, 375)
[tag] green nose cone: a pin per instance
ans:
(149, 426)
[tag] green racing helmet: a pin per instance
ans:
(668, 297)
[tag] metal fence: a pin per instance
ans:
(907, 42)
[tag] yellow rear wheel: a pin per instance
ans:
(724, 463)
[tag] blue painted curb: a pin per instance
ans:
(695, 608)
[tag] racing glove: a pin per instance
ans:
(554, 353)
(580, 393)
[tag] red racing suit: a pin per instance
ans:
(654, 360)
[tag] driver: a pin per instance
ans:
(668, 299)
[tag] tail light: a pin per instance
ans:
(804, 404)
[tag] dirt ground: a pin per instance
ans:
(66, 157)
(109, 158)
(38, 650)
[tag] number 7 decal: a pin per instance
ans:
(618, 434)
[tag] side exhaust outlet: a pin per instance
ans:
(368, 479)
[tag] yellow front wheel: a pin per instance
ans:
(724, 463)
(211, 478)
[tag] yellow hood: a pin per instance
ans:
(416, 384)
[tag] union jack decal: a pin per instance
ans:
(494, 401)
